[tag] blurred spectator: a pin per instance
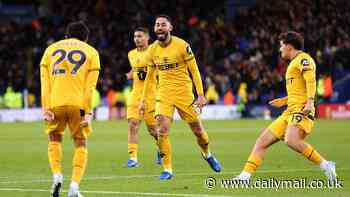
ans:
(1, 102)
(229, 98)
(31, 100)
(9, 98)
(242, 93)
(111, 100)
(324, 88)
(120, 104)
(211, 94)
(12, 99)
(96, 101)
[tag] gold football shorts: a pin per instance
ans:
(279, 126)
(71, 116)
(132, 111)
(166, 104)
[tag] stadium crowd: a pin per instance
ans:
(238, 57)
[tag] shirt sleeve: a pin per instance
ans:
(91, 82)
(149, 56)
(151, 74)
(130, 73)
(95, 62)
(308, 69)
(45, 81)
(45, 59)
(307, 63)
(188, 55)
(193, 68)
(151, 71)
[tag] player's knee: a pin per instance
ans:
(164, 128)
(164, 124)
(134, 126)
(196, 128)
(79, 142)
(290, 142)
(55, 137)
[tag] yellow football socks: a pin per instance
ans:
(311, 154)
(252, 164)
(203, 142)
(132, 150)
(165, 152)
(79, 163)
(55, 156)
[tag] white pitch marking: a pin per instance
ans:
(156, 175)
(117, 192)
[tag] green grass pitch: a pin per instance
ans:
(24, 170)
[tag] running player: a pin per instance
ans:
(296, 121)
(174, 60)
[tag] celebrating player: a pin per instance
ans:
(296, 121)
(173, 58)
(138, 74)
(69, 71)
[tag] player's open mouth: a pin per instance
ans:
(161, 34)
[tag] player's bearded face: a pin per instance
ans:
(162, 29)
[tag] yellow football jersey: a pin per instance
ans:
(301, 71)
(173, 63)
(138, 62)
(66, 74)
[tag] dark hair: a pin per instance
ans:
(164, 16)
(77, 30)
(293, 38)
(143, 29)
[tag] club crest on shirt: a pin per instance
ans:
(305, 62)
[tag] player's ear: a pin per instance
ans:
(171, 27)
(289, 47)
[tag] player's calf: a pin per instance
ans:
(295, 144)
(133, 142)
(294, 138)
(202, 137)
(255, 159)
